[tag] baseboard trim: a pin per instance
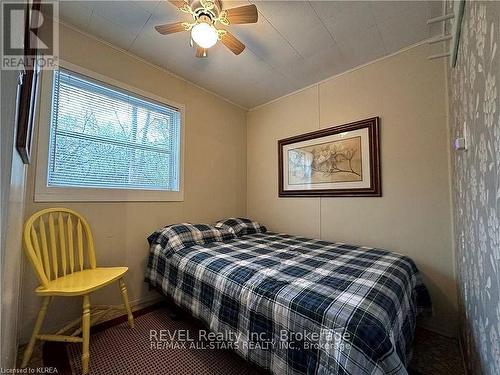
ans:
(145, 302)
(462, 351)
(139, 307)
(439, 331)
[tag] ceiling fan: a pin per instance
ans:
(207, 14)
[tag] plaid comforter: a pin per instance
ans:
(307, 306)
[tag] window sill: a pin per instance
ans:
(54, 194)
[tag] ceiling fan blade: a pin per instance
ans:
(170, 28)
(177, 3)
(201, 52)
(230, 41)
(244, 14)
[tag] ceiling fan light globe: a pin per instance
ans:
(204, 35)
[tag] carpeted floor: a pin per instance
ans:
(119, 350)
(434, 354)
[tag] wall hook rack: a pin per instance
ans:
(454, 36)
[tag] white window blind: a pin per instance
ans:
(106, 137)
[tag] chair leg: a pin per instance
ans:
(36, 330)
(85, 334)
(123, 289)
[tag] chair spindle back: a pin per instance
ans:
(51, 238)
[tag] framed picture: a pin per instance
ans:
(27, 88)
(342, 161)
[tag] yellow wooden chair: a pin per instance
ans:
(62, 272)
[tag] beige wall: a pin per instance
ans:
(413, 217)
(215, 175)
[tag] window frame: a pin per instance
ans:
(45, 193)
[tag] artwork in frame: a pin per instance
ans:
(341, 161)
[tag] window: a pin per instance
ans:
(103, 139)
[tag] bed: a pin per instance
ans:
(295, 305)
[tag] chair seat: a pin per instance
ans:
(82, 282)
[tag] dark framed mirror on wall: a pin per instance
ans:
(28, 84)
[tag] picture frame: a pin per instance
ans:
(340, 161)
(27, 88)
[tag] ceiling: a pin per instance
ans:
(294, 44)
